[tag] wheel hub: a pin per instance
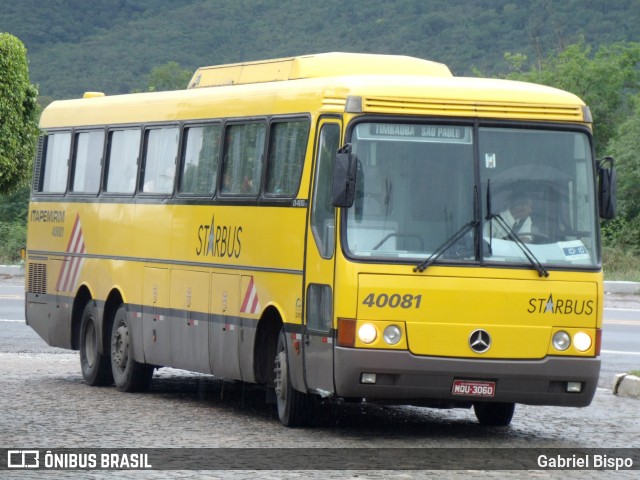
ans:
(281, 375)
(120, 346)
(90, 343)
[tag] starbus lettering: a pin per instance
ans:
(218, 240)
(560, 306)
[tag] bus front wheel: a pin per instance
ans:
(96, 367)
(494, 414)
(129, 375)
(295, 408)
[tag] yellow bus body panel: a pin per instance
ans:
(518, 309)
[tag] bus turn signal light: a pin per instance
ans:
(346, 332)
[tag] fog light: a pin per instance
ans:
(574, 387)
(367, 333)
(582, 341)
(561, 341)
(392, 334)
(368, 378)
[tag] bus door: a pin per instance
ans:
(318, 338)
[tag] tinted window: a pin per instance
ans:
(322, 210)
(286, 157)
(201, 158)
(319, 307)
(242, 169)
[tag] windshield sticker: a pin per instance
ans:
(490, 160)
(574, 250)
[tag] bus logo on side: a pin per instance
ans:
(218, 240)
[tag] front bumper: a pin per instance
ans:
(403, 377)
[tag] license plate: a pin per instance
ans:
(473, 388)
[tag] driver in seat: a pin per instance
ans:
(517, 216)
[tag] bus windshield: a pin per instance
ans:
(416, 190)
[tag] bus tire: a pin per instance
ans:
(128, 375)
(96, 367)
(295, 409)
(494, 414)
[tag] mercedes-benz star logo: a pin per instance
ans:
(480, 341)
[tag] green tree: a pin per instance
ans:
(169, 76)
(18, 112)
(605, 80)
(625, 232)
(13, 224)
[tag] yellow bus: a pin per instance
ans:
(332, 226)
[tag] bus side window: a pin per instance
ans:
(288, 143)
(160, 153)
(56, 163)
(201, 160)
(86, 164)
(122, 161)
(322, 210)
(244, 153)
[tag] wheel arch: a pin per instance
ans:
(114, 300)
(266, 341)
(83, 296)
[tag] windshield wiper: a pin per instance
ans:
(513, 236)
(446, 246)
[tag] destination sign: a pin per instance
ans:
(414, 132)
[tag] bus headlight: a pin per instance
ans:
(561, 341)
(367, 333)
(392, 335)
(582, 341)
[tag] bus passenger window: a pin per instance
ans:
(201, 159)
(122, 161)
(88, 153)
(161, 150)
(56, 165)
(286, 157)
(242, 167)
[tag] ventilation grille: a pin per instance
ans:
(37, 278)
(472, 109)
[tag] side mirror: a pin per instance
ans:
(607, 179)
(343, 187)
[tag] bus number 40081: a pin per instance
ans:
(394, 300)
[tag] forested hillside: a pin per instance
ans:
(588, 47)
(112, 45)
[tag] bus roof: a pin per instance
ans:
(314, 66)
(317, 84)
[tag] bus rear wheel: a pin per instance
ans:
(494, 414)
(96, 367)
(129, 375)
(295, 409)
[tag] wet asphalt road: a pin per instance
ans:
(44, 403)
